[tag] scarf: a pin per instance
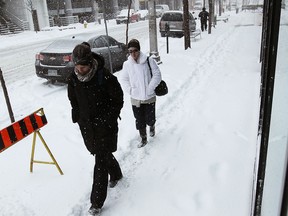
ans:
(87, 77)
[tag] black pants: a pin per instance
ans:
(105, 163)
(144, 115)
(204, 25)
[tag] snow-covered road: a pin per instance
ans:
(17, 61)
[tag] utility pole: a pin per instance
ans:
(128, 18)
(187, 42)
(6, 97)
(153, 31)
(220, 7)
(106, 29)
(68, 8)
(211, 15)
(95, 10)
(115, 8)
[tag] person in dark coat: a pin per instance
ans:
(203, 19)
(96, 98)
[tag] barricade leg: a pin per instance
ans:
(32, 161)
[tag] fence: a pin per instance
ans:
(69, 20)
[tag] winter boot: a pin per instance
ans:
(152, 131)
(143, 136)
(94, 211)
(113, 183)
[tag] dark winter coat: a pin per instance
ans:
(203, 16)
(96, 105)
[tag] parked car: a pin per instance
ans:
(55, 63)
(123, 16)
(160, 9)
(174, 19)
(144, 14)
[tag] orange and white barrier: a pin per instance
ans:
(21, 129)
(18, 130)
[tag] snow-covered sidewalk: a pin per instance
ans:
(200, 162)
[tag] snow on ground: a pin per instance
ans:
(201, 160)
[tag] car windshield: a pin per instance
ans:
(172, 17)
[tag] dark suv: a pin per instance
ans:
(174, 19)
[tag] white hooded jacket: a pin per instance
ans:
(136, 80)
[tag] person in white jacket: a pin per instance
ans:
(136, 80)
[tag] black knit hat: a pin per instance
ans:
(82, 54)
(134, 43)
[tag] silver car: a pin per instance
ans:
(174, 20)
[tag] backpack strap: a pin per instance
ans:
(149, 66)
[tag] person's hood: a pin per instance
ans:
(100, 60)
(141, 59)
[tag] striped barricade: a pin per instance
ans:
(21, 129)
(18, 130)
